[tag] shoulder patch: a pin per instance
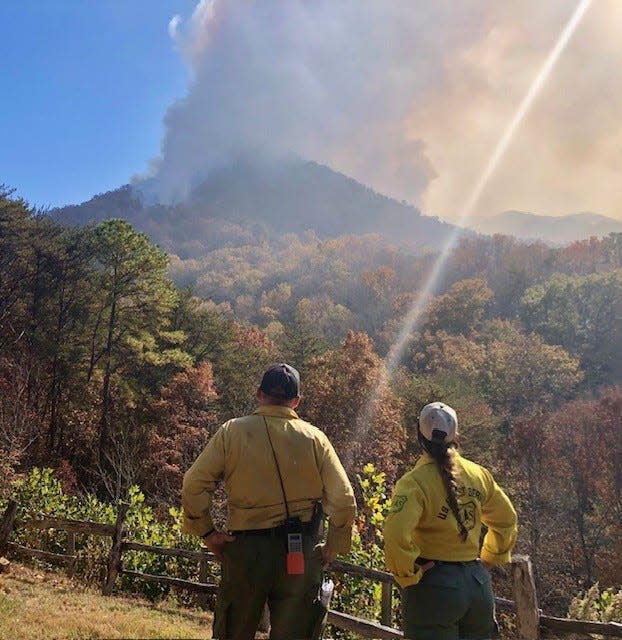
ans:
(398, 502)
(467, 512)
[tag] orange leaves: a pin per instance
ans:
(336, 391)
(382, 281)
(568, 467)
(192, 387)
(252, 337)
(183, 419)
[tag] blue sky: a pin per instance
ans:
(410, 98)
(85, 85)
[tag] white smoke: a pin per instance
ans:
(406, 96)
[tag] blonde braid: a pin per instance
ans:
(443, 455)
(447, 467)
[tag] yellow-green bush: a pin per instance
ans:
(356, 596)
(597, 605)
(40, 494)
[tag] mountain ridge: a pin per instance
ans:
(554, 230)
(245, 201)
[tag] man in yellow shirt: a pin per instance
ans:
(432, 536)
(276, 470)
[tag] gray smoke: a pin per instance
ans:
(407, 96)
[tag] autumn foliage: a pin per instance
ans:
(182, 419)
(118, 362)
(346, 397)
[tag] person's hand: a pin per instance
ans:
(487, 565)
(327, 555)
(216, 542)
(426, 567)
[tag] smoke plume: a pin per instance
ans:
(407, 97)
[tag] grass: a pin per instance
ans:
(36, 605)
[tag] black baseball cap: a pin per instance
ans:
(281, 381)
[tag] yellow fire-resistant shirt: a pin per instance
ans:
(421, 524)
(240, 455)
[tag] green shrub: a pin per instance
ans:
(40, 494)
(356, 596)
(597, 605)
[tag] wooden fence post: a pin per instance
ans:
(71, 551)
(386, 604)
(526, 599)
(203, 596)
(6, 525)
(114, 559)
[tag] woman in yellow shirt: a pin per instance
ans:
(432, 536)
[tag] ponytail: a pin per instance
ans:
(444, 456)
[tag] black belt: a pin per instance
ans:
(421, 561)
(272, 532)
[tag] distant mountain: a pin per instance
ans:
(249, 202)
(553, 230)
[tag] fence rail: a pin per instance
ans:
(530, 620)
(180, 583)
(48, 556)
(73, 526)
(169, 551)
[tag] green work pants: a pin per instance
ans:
(451, 602)
(254, 572)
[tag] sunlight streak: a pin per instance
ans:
(523, 109)
(413, 317)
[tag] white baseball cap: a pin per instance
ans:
(438, 422)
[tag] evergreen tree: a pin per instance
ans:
(136, 297)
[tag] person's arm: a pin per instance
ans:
(400, 550)
(499, 516)
(337, 501)
(199, 485)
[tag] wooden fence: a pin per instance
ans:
(530, 620)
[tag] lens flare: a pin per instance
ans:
(413, 317)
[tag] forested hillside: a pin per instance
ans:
(254, 203)
(556, 231)
(114, 376)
